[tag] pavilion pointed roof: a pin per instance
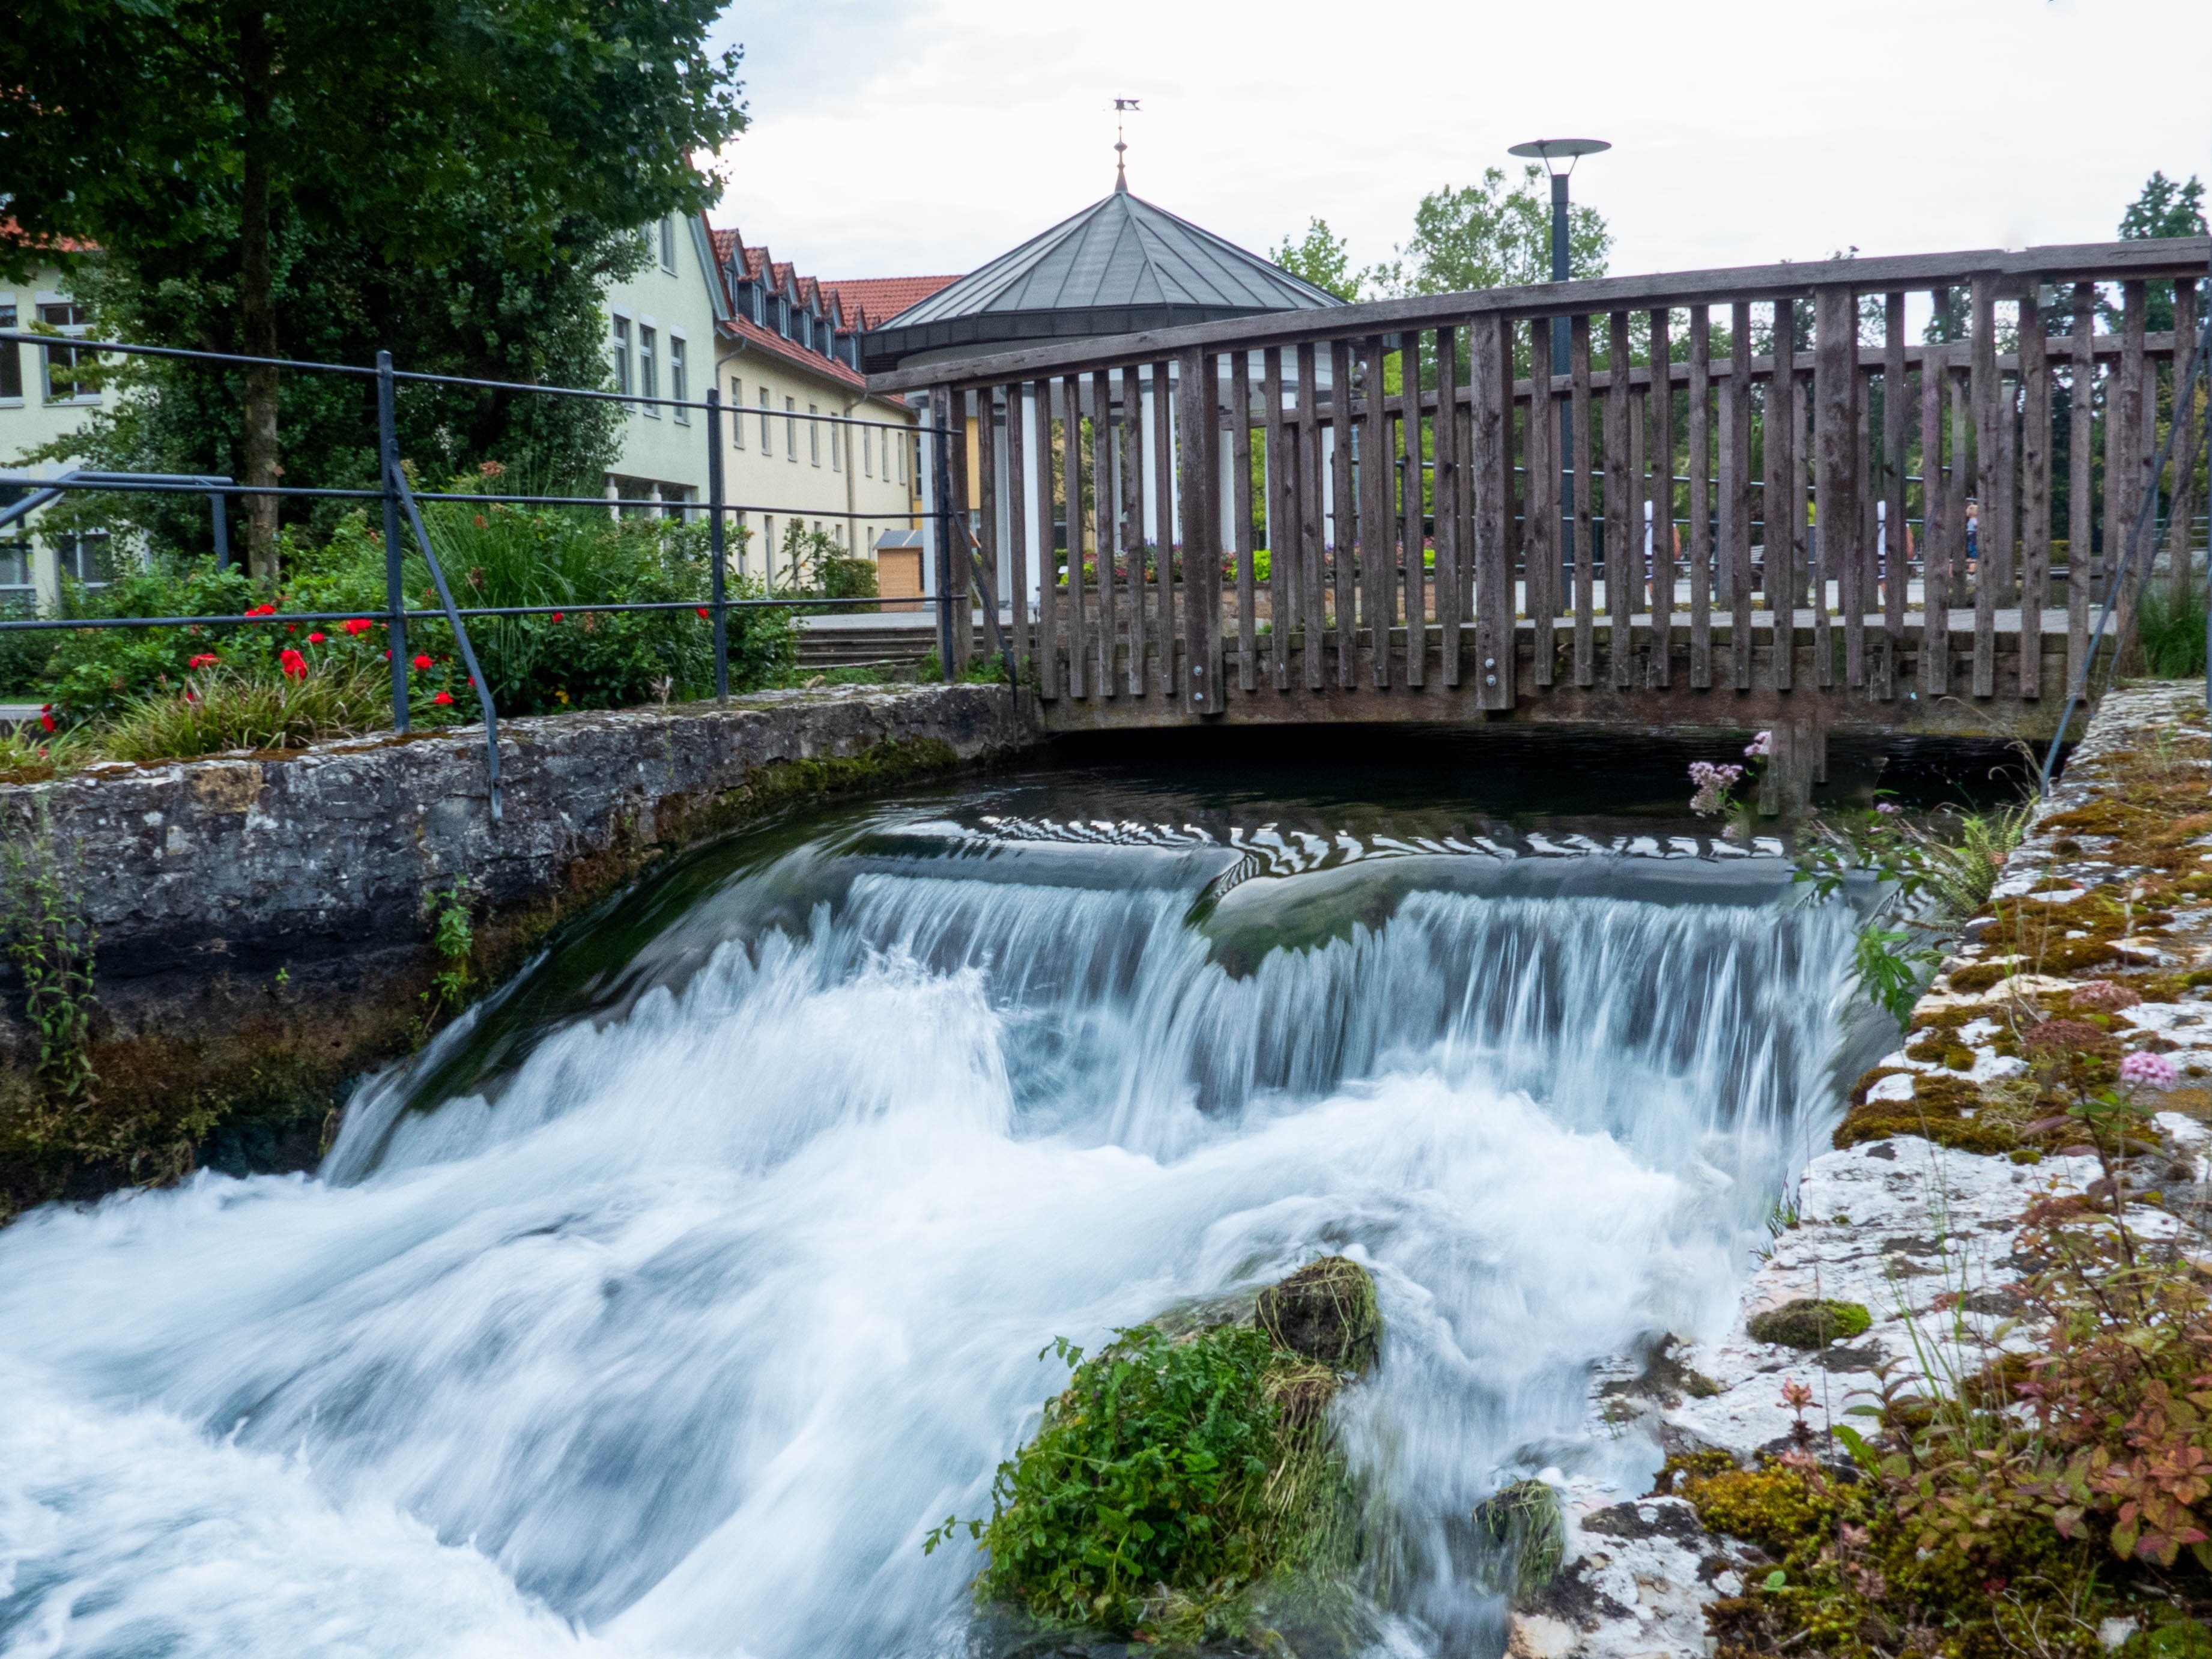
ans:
(1120, 265)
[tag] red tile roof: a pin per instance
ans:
(880, 299)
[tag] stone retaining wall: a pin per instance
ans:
(1918, 1231)
(263, 921)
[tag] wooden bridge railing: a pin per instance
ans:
(1377, 495)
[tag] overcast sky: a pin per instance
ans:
(903, 137)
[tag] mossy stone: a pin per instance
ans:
(1325, 1312)
(1809, 1323)
(1526, 1535)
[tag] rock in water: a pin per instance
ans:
(1325, 1312)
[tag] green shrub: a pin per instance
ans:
(96, 671)
(22, 655)
(850, 579)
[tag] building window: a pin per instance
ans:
(649, 369)
(676, 378)
(62, 385)
(15, 570)
(621, 356)
(736, 413)
(743, 536)
(668, 245)
(902, 454)
(813, 434)
(768, 442)
(791, 429)
(868, 451)
(88, 559)
(11, 356)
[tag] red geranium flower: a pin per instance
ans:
(357, 626)
(46, 719)
(443, 697)
(315, 639)
(556, 615)
(703, 610)
(294, 665)
(422, 662)
(205, 659)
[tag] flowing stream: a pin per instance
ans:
(663, 1304)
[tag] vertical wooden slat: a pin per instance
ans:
(1585, 562)
(1240, 481)
(987, 469)
(1980, 470)
(1639, 400)
(2081, 521)
(1019, 533)
(1866, 465)
(1165, 633)
(1412, 490)
(1962, 485)
(1282, 517)
(1541, 538)
(1344, 513)
(1196, 483)
(2182, 511)
(1778, 433)
(963, 582)
(1449, 486)
(1896, 427)
(1835, 415)
(1055, 677)
(2124, 483)
(2035, 491)
(1490, 479)
(1934, 672)
(1624, 558)
(1134, 443)
(1312, 603)
(1735, 492)
(1377, 573)
(1084, 678)
(1696, 544)
(1660, 434)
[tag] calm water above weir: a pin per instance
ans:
(663, 1305)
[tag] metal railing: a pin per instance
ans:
(402, 504)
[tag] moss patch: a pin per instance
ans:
(1809, 1323)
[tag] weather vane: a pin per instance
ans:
(1122, 106)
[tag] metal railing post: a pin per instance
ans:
(940, 466)
(715, 549)
(221, 523)
(398, 481)
(395, 587)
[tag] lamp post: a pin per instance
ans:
(1550, 152)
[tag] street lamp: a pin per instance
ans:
(1551, 152)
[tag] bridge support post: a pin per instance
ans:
(1797, 757)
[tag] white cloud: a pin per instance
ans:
(893, 138)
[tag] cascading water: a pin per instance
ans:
(662, 1306)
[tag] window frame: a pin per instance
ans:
(668, 245)
(814, 434)
(648, 370)
(625, 377)
(736, 411)
(677, 378)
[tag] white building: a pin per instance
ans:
(41, 400)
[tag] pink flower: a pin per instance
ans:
(1796, 1395)
(2156, 1070)
(1760, 745)
(1888, 808)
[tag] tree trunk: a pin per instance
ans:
(257, 299)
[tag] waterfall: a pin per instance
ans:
(661, 1306)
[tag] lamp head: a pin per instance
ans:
(1553, 151)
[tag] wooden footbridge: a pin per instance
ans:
(1751, 502)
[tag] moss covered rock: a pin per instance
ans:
(1182, 1475)
(1809, 1323)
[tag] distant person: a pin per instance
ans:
(1973, 533)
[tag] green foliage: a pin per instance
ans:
(2163, 206)
(22, 654)
(1493, 235)
(50, 945)
(2170, 630)
(978, 671)
(453, 936)
(848, 579)
(1324, 259)
(224, 708)
(1890, 968)
(95, 672)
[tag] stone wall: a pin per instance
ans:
(1920, 1228)
(263, 921)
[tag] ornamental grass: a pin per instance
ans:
(221, 708)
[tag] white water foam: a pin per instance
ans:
(679, 1342)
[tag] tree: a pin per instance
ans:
(208, 134)
(1488, 235)
(2162, 208)
(1324, 259)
